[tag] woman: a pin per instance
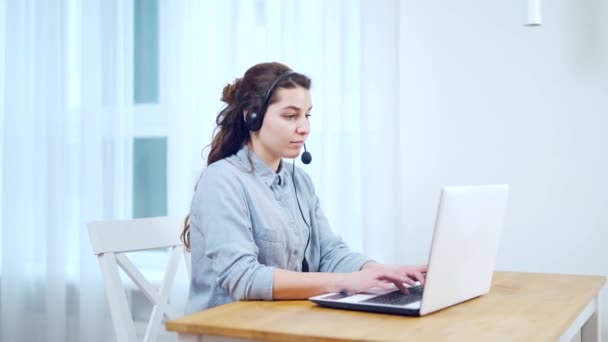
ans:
(256, 230)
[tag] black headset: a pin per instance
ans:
(254, 120)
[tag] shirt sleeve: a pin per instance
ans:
(220, 209)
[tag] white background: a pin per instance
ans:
(484, 99)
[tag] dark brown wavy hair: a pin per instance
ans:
(245, 94)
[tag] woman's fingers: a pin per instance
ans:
(398, 279)
(385, 285)
(387, 277)
(419, 276)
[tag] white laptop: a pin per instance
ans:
(461, 261)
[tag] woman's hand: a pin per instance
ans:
(373, 274)
(417, 273)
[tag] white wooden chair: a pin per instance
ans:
(110, 241)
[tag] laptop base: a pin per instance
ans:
(366, 307)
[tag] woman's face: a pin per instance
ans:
(285, 127)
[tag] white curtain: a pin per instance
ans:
(65, 93)
(348, 48)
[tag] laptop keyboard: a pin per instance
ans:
(398, 297)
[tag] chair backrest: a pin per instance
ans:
(110, 241)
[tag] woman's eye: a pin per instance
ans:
(308, 115)
(291, 116)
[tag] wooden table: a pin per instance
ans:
(519, 307)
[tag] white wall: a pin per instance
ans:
(485, 99)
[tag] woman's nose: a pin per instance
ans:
(303, 126)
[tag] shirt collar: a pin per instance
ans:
(260, 169)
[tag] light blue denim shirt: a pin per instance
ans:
(245, 221)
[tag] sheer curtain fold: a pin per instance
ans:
(65, 135)
(2, 124)
(379, 127)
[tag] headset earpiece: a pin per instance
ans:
(253, 121)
